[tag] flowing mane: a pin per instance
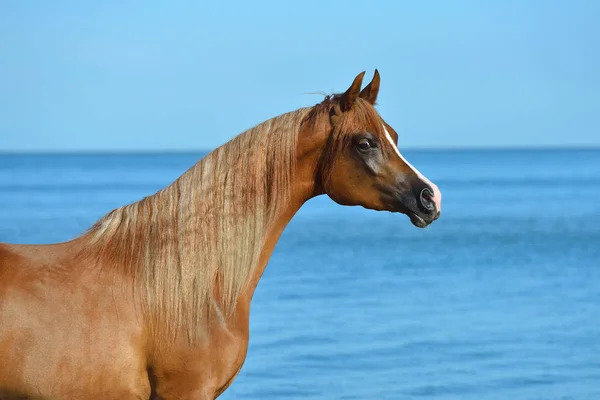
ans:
(202, 235)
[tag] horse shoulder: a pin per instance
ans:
(207, 369)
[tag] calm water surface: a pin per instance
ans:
(499, 299)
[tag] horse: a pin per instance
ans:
(153, 300)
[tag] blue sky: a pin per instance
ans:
(190, 75)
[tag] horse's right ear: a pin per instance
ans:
(350, 96)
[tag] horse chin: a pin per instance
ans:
(417, 220)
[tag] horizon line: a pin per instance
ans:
(208, 150)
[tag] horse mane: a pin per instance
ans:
(199, 239)
(190, 248)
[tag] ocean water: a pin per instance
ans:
(498, 299)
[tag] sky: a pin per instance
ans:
(179, 76)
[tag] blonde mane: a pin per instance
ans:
(199, 239)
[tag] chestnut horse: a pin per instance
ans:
(153, 301)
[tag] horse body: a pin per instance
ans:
(154, 300)
(65, 316)
(55, 342)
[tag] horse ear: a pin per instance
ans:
(370, 92)
(350, 96)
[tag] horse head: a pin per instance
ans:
(360, 163)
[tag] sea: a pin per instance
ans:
(498, 299)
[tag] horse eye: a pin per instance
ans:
(363, 144)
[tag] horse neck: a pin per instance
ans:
(311, 142)
(211, 232)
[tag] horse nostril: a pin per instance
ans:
(426, 198)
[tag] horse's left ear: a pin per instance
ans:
(350, 96)
(370, 92)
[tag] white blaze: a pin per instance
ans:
(437, 195)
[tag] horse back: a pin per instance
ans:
(11, 266)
